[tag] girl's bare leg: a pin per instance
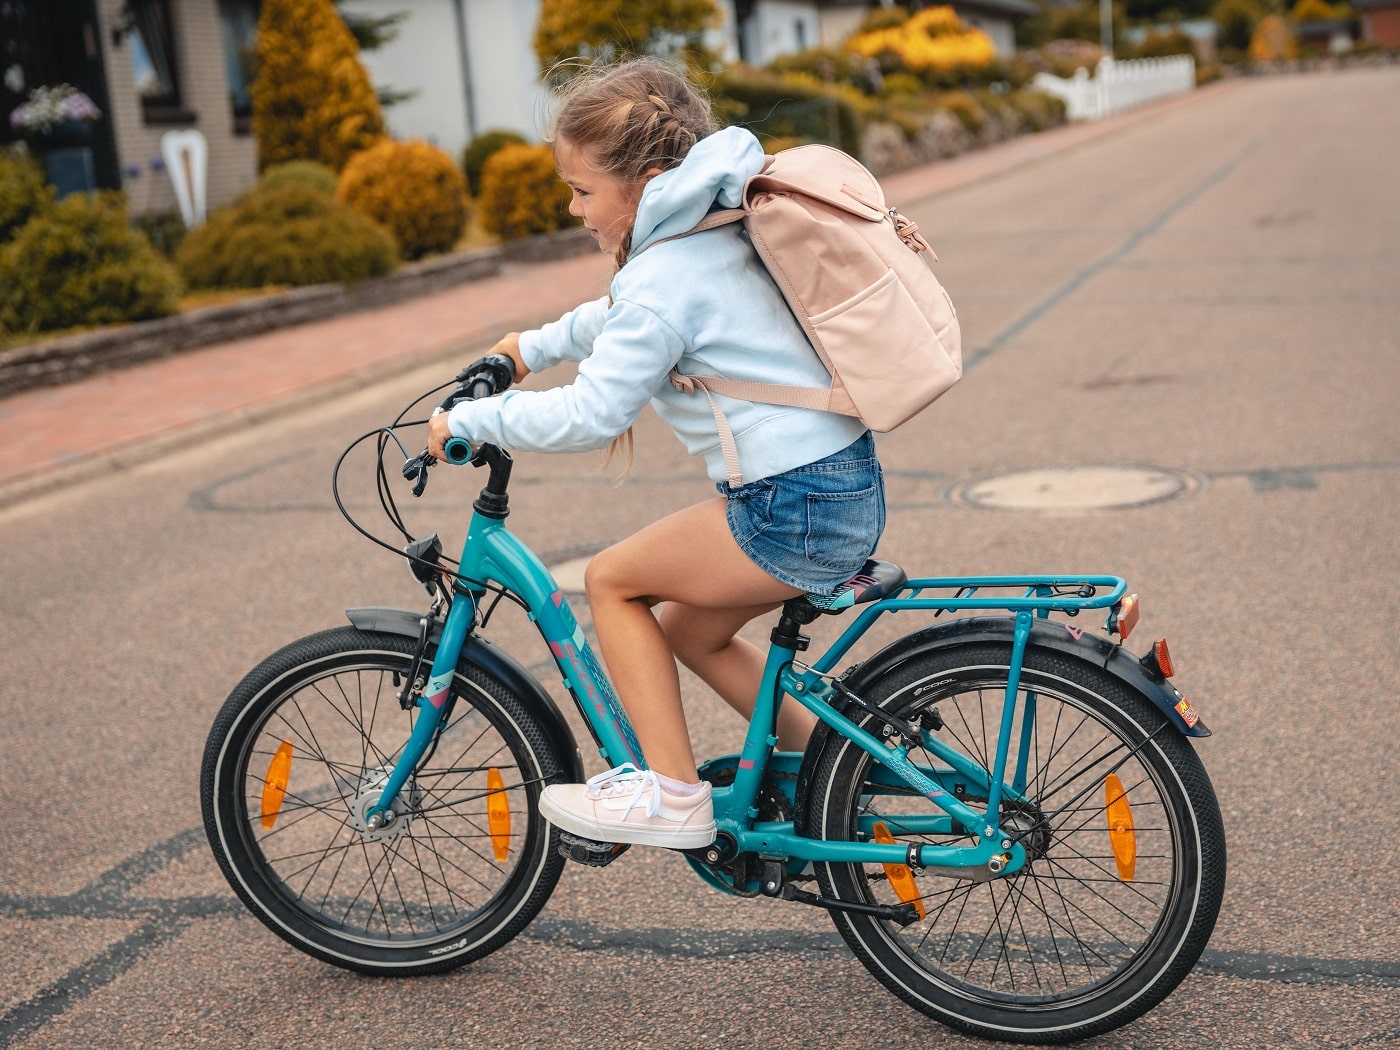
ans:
(690, 558)
(706, 641)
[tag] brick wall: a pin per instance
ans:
(232, 164)
(1381, 26)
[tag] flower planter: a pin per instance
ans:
(67, 135)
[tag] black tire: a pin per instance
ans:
(423, 895)
(1067, 948)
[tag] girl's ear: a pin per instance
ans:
(651, 173)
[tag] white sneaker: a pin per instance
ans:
(627, 804)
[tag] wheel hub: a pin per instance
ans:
(397, 819)
(1027, 825)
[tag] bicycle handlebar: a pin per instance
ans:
(484, 377)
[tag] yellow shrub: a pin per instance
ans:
(312, 100)
(412, 188)
(1273, 40)
(522, 195)
(932, 41)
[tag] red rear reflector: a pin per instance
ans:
(1164, 658)
(1124, 616)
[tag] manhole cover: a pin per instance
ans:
(1075, 488)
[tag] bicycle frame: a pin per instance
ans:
(492, 554)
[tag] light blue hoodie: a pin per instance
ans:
(704, 305)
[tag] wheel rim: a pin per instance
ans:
(1069, 925)
(429, 871)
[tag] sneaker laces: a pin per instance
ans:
(624, 779)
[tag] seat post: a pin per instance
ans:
(797, 613)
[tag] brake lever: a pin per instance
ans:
(416, 470)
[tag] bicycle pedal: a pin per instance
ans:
(587, 851)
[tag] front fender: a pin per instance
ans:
(493, 660)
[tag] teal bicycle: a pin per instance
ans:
(1002, 812)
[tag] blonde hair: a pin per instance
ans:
(633, 117)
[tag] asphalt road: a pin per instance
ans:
(1208, 297)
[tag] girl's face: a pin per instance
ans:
(606, 204)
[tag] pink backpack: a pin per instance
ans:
(851, 270)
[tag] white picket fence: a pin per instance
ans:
(1117, 86)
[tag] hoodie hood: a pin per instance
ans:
(713, 172)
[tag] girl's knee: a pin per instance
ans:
(607, 575)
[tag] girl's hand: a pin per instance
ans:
(438, 435)
(509, 346)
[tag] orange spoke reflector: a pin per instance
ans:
(901, 878)
(275, 784)
(498, 813)
(1120, 827)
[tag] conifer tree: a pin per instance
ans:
(312, 100)
(610, 29)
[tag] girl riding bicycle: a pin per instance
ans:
(638, 146)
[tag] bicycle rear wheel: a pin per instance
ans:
(1126, 851)
(298, 755)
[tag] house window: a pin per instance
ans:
(153, 62)
(238, 20)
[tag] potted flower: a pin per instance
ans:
(55, 116)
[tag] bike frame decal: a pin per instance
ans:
(438, 685)
(593, 692)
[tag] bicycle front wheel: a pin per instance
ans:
(300, 753)
(1125, 846)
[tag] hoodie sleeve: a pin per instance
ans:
(568, 339)
(632, 354)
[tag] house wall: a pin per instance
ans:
(463, 86)
(1381, 26)
(232, 164)
(777, 27)
(504, 70)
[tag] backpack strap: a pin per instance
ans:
(766, 393)
(712, 220)
(688, 385)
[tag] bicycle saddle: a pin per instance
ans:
(876, 580)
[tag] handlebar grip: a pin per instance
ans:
(458, 451)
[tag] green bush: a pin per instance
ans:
(966, 108)
(522, 195)
(285, 235)
(1235, 20)
(413, 189)
(308, 172)
(1038, 110)
(23, 192)
(165, 231)
(81, 263)
(1161, 45)
(775, 107)
(479, 151)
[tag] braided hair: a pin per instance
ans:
(634, 117)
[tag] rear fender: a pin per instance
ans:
(493, 660)
(1045, 634)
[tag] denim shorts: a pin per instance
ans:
(812, 527)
